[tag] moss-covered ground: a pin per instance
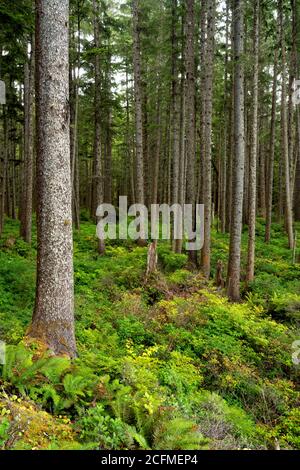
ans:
(167, 364)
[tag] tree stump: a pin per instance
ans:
(151, 259)
(220, 281)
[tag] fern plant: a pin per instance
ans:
(178, 434)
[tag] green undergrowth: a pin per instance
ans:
(170, 364)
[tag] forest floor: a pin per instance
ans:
(170, 364)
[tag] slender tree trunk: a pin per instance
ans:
(190, 112)
(26, 219)
(203, 36)
(285, 143)
(53, 318)
(157, 149)
(270, 180)
(232, 140)
(138, 95)
(130, 157)
(223, 193)
(296, 9)
(207, 176)
(4, 170)
(182, 143)
(175, 114)
(145, 118)
(253, 151)
(97, 167)
(297, 173)
(108, 161)
(13, 188)
(262, 174)
(234, 265)
(138, 103)
(74, 110)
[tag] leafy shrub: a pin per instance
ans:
(227, 426)
(288, 431)
(4, 427)
(101, 431)
(171, 261)
(285, 307)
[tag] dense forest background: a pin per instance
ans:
(169, 102)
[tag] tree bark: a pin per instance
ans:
(270, 180)
(139, 127)
(138, 103)
(284, 130)
(234, 265)
(26, 219)
(223, 193)
(53, 317)
(253, 151)
(207, 176)
(190, 112)
(97, 164)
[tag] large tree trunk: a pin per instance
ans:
(253, 151)
(234, 265)
(53, 318)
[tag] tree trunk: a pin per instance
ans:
(26, 219)
(190, 112)
(74, 110)
(175, 115)
(182, 143)
(4, 170)
(270, 179)
(139, 128)
(297, 175)
(53, 317)
(138, 103)
(203, 36)
(284, 130)
(207, 177)
(223, 193)
(155, 173)
(234, 265)
(97, 167)
(253, 151)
